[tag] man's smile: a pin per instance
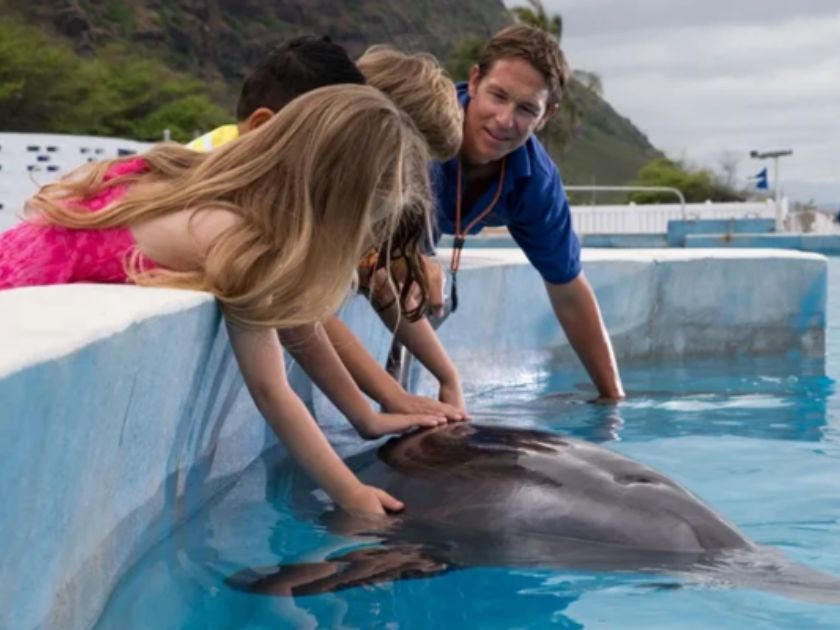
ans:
(496, 137)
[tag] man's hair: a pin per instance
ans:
(294, 68)
(533, 45)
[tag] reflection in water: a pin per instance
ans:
(764, 397)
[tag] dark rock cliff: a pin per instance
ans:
(221, 38)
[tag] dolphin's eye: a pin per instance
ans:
(628, 479)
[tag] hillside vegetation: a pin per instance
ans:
(129, 68)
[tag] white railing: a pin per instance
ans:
(676, 192)
(653, 219)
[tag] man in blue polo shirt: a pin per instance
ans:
(503, 176)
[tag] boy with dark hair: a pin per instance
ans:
(289, 70)
(293, 68)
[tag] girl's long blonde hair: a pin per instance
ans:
(329, 176)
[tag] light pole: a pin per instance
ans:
(763, 155)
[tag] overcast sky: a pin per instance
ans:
(701, 78)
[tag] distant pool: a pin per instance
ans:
(757, 438)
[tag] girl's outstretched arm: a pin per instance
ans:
(260, 359)
(312, 349)
(419, 337)
(379, 385)
(422, 341)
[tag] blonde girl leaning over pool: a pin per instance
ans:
(272, 224)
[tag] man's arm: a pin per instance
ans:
(542, 226)
(577, 311)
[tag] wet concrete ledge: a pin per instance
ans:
(718, 234)
(122, 411)
(828, 244)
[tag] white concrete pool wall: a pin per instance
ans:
(122, 410)
(656, 303)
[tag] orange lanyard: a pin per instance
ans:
(461, 235)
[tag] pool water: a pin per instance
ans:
(757, 438)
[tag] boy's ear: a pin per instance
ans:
(549, 113)
(258, 117)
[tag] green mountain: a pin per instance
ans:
(221, 38)
(607, 149)
(215, 41)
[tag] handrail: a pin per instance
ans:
(676, 191)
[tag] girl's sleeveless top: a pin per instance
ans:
(34, 254)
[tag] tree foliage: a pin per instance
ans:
(535, 15)
(696, 185)
(590, 81)
(46, 87)
(463, 57)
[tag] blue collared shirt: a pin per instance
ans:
(533, 206)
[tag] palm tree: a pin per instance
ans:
(590, 81)
(536, 15)
(561, 128)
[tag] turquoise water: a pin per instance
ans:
(757, 438)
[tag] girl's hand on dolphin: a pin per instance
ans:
(407, 403)
(452, 394)
(370, 500)
(379, 424)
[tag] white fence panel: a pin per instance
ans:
(653, 219)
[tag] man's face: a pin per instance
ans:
(506, 106)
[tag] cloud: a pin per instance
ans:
(592, 17)
(702, 78)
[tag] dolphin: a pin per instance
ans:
(481, 495)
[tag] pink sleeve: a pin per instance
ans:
(107, 196)
(33, 255)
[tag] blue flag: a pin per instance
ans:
(761, 179)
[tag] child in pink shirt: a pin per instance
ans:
(273, 224)
(39, 253)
